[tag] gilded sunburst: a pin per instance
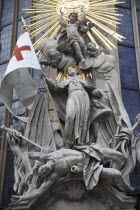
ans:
(102, 13)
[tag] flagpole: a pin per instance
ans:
(50, 96)
(7, 113)
(25, 27)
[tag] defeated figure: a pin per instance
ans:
(60, 163)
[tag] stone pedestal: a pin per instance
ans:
(72, 195)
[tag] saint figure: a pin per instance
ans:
(77, 117)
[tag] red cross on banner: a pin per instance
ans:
(18, 50)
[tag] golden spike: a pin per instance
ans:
(108, 30)
(105, 15)
(97, 1)
(104, 2)
(108, 13)
(38, 9)
(51, 2)
(108, 3)
(92, 39)
(104, 8)
(38, 52)
(42, 15)
(104, 20)
(37, 31)
(33, 12)
(101, 39)
(58, 78)
(41, 5)
(40, 55)
(55, 31)
(65, 77)
(91, 74)
(46, 1)
(38, 23)
(36, 44)
(107, 40)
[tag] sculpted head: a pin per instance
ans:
(72, 71)
(92, 49)
(91, 46)
(73, 17)
(46, 169)
(54, 56)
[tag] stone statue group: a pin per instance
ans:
(99, 141)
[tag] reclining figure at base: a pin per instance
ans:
(87, 160)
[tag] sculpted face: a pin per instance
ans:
(72, 71)
(44, 170)
(91, 47)
(55, 57)
(73, 17)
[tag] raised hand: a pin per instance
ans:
(82, 9)
(97, 93)
(16, 199)
(42, 75)
(61, 11)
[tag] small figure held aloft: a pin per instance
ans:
(73, 39)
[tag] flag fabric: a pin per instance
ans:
(17, 75)
(23, 55)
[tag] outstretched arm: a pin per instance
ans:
(37, 192)
(83, 19)
(56, 86)
(63, 23)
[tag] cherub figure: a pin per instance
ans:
(74, 39)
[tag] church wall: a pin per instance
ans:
(128, 75)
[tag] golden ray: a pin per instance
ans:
(35, 12)
(42, 10)
(50, 2)
(106, 29)
(41, 5)
(100, 1)
(58, 78)
(46, 14)
(38, 23)
(92, 39)
(36, 17)
(103, 37)
(104, 20)
(37, 31)
(109, 15)
(55, 31)
(106, 3)
(105, 8)
(36, 44)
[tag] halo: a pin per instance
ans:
(74, 66)
(103, 14)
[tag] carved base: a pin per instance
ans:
(73, 195)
